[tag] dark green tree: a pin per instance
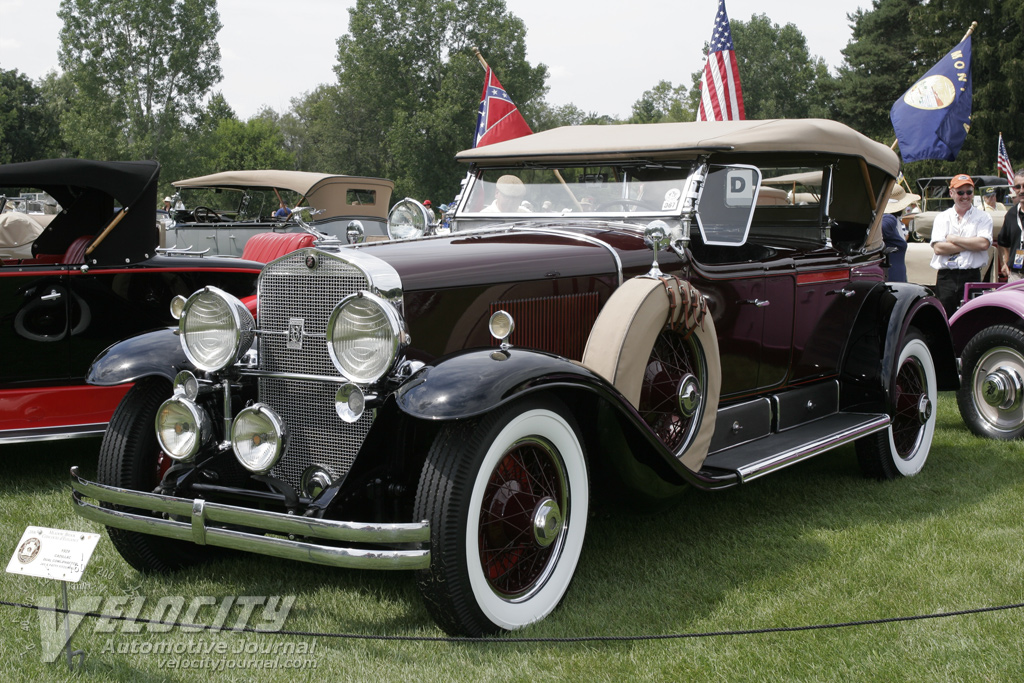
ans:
(779, 76)
(934, 28)
(880, 62)
(663, 102)
(256, 144)
(140, 70)
(28, 128)
(409, 85)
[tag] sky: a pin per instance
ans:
(601, 54)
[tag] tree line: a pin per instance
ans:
(139, 78)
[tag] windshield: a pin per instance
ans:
(251, 204)
(653, 189)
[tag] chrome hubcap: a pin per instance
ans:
(689, 395)
(1002, 388)
(924, 409)
(547, 522)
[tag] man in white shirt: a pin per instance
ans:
(961, 237)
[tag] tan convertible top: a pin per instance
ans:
(663, 140)
(321, 190)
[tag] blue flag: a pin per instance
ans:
(932, 118)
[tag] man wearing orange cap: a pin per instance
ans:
(961, 237)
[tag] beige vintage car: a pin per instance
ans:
(218, 213)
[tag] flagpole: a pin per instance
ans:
(558, 174)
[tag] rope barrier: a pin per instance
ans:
(575, 639)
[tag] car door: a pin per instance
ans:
(35, 325)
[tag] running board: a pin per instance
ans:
(763, 456)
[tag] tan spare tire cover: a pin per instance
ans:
(624, 334)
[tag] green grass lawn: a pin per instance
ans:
(816, 543)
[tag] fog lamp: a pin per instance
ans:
(182, 428)
(258, 437)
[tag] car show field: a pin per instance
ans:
(819, 545)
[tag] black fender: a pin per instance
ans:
(889, 311)
(475, 382)
(153, 353)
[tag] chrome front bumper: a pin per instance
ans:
(200, 514)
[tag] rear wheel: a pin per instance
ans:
(901, 450)
(130, 458)
(506, 496)
(991, 394)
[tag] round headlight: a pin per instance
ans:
(258, 437)
(363, 337)
(407, 219)
(181, 428)
(216, 329)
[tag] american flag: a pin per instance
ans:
(1003, 160)
(721, 97)
(498, 118)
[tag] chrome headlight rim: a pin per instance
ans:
(196, 417)
(394, 345)
(408, 219)
(241, 331)
(276, 426)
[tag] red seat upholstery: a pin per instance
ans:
(75, 252)
(267, 246)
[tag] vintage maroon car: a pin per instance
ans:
(618, 312)
(87, 278)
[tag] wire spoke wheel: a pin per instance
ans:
(521, 518)
(674, 391)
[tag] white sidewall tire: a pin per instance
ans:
(911, 465)
(551, 426)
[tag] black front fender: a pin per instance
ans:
(476, 382)
(154, 353)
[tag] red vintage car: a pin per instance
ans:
(617, 312)
(72, 286)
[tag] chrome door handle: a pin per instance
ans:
(52, 296)
(844, 291)
(760, 303)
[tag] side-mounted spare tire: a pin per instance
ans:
(655, 341)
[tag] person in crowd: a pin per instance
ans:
(961, 236)
(1010, 242)
(990, 203)
(167, 203)
(892, 234)
(282, 211)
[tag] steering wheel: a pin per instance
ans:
(624, 203)
(204, 214)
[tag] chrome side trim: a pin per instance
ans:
(199, 513)
(809, 450)
(52, 433)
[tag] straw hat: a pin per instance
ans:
(900, 199)
(511, 186)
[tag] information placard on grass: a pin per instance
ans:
(53, 553)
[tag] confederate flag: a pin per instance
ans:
(498, 119)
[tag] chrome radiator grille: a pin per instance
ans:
(290, 290)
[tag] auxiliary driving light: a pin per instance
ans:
(258, 437)
(182, 428)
